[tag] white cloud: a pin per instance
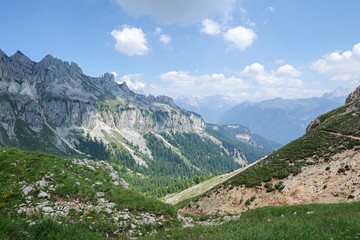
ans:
(340, 66)
(130, 41)
(179, 82)
(288, 70)
(164, 38)
(271, 9)
(287, 92)
(115, 74)
(178, 11)
(285, 75)
(240, 37)
(279, 61)
(133, 82)
(157, 31)
(210, 27)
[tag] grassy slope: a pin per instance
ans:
(316, 144)
(315, 221)
(20, 168)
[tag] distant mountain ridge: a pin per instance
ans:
(281, 120)
(209, 107)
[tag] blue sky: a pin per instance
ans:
(242, 49)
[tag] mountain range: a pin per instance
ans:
(280, 120)
(52, 106)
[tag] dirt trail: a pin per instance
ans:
(341, 135)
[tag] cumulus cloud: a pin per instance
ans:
(285, 75)
(210, 27)
(164, 38)
(179, 82)
(340, 66)
(115, 74)
(279, 61)
(178, 11)
(130, 41)
(157, 31)
(133, 82)
(240, 37)
(287, 92)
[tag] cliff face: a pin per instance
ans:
(353, 96)
(54, 100)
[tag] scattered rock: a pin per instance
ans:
(27, 190)
(100, 194)
(43, 195)
(108, 210)
(91, 168)
(42, 183)
(48, 209)
(124, 183)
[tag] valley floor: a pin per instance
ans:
(314, 221)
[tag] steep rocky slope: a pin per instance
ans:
(52, 106)
(323, 166)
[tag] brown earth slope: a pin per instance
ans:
(321, 167)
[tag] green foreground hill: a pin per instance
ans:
(47, 197)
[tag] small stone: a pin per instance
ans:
(100, 194)
(91, 168)
(41, 183)
(43, 195)
(110, 205)
(101, 200)
(108, 210)
(98, 183)
(132, 226)
(48, 209)
(27, 190)
(124, 183)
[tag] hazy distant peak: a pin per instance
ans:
(338, 92)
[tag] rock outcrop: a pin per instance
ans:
(353, 96)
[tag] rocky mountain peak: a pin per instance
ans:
(20, 57)
(124, 87)
(353, 96)
(75, 67)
